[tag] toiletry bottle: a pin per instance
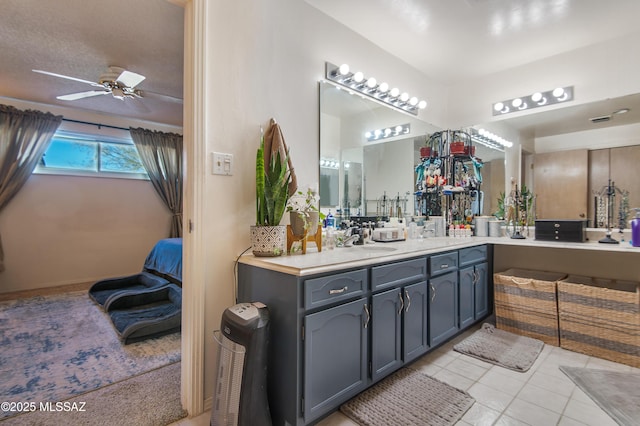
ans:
(331, 221)
(413, 230)
(635, 229)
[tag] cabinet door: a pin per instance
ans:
(467, 296)
(335, 356)
(415, 321)
(386, 314)
(481, 289)
(443, 307)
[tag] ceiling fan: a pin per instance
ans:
(117, 81)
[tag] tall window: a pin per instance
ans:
(84, 155)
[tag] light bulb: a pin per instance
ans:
(344, 69)
(498, 106)
(383, 88)
(394, 92)
(368, 135)
(387, 131)
(371, 83)
(422, 104)
(536, 97)
(482, 132)
(413, 101)
(358, 77)
(378, 133)
(516, 102)
(398, 129)
(404, 97)
(346, 165)
(558, 92)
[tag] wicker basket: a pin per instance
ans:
(526, 303)
(600, 318)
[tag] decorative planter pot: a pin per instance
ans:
(268, 241)
(297, 223)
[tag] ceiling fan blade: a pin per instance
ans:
(159, 96)
(130, 79)
(76, 96)
(93, 83)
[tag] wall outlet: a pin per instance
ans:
(222, 164)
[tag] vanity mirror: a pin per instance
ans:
(372, 175)
(570, 153)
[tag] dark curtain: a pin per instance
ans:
(24, 137)
(161, 155)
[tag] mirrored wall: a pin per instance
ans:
(359, 173)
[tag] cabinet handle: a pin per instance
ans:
(401, 303)
(406, 294)
(366, 311)
(338, 291)
(433, 292)
(444, 266)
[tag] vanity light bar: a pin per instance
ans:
(535, 100)
(329, 163)
(490, 140)
(370, 87)
(388, 132)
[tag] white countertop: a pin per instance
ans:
(314, 262)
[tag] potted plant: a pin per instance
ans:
(304, 214)
(268, 237)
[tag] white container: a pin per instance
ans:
(495, 228)
(482, 226)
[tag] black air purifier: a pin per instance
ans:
(240, 389)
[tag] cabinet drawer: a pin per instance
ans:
(442, 263)
(472, 255)
(395, 274)
(334, 288)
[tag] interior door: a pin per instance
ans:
(561, 184)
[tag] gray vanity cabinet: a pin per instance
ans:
(473, 285)
(399, 316)
(335, 356)
(443, 297)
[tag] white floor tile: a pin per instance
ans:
(453, 379)
(555, 382)
(490, 397)
(480, 415)
(465, 368)
(543, 398)
(531, 414)
(502, 382)
(337, 419)
(588, 414)
(509, 421)
(440, 358)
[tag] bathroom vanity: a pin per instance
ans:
(343, 319)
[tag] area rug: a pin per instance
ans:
(617, 393)
(408, 398)
(501, 347)
(150, 399)
(55, 347)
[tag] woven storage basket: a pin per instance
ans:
(600, 318)
(526, 303)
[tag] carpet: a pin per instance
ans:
(150, 399)
(408, 398)
(617, 393)
(501, 348)
(55, 347)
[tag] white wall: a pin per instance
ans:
(265, 60)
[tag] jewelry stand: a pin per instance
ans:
(317, 238)
(609, 191)
(517, 200)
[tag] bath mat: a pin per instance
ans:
(617, 393)
(501, 347)
(408, 398)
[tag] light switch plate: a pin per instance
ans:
(222, 164)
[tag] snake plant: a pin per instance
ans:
(272, 187)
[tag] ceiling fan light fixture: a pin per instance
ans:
(118, 93)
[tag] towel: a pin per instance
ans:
(274, 143)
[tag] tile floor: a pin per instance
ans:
(542, 396)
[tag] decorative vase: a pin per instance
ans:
(297, 222)
(268, 241)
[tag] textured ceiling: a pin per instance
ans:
(82, 38)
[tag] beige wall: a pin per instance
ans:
(63, 229)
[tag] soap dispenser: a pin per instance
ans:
(635, 229)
